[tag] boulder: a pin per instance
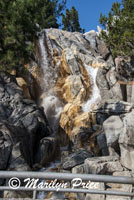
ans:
(75, 159)
(22, 123)
(113, 127)
(111, 77)
(99, 165)
(79, 169)
(102, 142)
(119, 187)
(49, 150)
(91, 36)
(102, 49)
(125, 66)
(103, 84)
(130, 92)
(102, 165)
(112, 107)
(99, 186)
(5, 150)
(22, 83)
(18, 161)
(126, 141)
(72, 119)
(82, 138)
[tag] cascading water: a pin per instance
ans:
(50, 102)
(53, 108)
(95, 96)
(49, 75)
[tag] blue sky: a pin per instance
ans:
(89, 11)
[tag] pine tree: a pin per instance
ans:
(20, 21)
(71, 21)
(119, 28)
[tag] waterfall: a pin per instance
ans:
(53, 108)
(95, 95)
(49, 74)
(50, 102)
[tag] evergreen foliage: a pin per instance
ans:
(119, 28)
(71, 21)
(20, 20)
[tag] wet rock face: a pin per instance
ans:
(83, 86)
(69, 64)
(22, 123)
(88, 102)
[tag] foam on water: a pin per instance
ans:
(95, 95)
(53, 108)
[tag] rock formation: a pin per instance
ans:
(74, 104)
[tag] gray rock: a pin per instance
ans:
(126, 141)
(17, 161)
(125, 67)
(118, 92)
(130, 93)
(102, 49)
(91, 36)
(49, 150)
(102, 165)
(79, 169)
(113, 127)
(22, 122)
(102, 142)
(72, 62)
(103, 84)
(119, 187)
(112, 107)
(75, 159)
(99, 186)
(111, 77)
(5, 150)
(119, 107)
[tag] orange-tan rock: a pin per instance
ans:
(22, 83)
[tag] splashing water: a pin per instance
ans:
(53, 108)
(50, 102)
(95, 96)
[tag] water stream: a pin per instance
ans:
(52, 105)
(95, 95)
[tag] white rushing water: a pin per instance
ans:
(49, 75)
(95, 94)
(53, 108)
(50, 102)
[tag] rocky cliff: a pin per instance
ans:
(82, 100)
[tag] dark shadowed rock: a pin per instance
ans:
(102, 142)
(112, 107)
(22, 122)
(75, 159)
(125, 66)
(5, 150)
(49, 150)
